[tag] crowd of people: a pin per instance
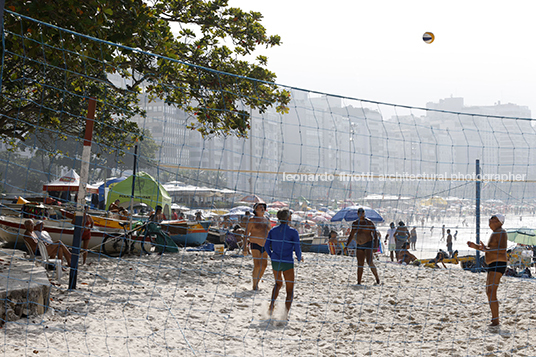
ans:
(281, 243)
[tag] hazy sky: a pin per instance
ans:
(483, 51)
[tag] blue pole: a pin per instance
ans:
(477, 212)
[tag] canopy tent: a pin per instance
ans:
(68, 182)
(146, 190)
(104, 188)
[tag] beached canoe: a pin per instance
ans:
(186, 233)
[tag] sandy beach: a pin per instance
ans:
(201, 304)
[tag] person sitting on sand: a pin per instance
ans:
(496, 259)
(401, 236)
(405, 256)
(54, 250)
(281, 243)
(257, 229)
(333, 243)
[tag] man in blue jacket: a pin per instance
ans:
(281, 243)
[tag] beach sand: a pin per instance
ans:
(201, 304)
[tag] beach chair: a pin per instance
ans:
(45, 261)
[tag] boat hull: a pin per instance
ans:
(314, 244)
(12, 230)
(186, 233)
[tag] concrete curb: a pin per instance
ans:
(24, 287)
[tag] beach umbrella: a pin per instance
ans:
(252, 199)
(320, 219)
(278, 204)
(350, 214)
(526, 236)
(308, 222)
(241, 208)
(324, 214)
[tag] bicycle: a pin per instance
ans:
(124, 244)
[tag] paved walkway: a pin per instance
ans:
(24, 287)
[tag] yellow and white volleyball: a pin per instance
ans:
(428, 37)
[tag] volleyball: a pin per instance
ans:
(428, 37)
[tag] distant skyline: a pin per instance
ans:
(374, 50)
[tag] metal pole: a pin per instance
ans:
(133, 182)
(477, 211)
(84, 174)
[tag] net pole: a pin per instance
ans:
(477, 211)
(84, 174)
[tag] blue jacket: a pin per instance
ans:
(281, 242)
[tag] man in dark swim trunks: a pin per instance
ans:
(257, 229)
(365, 233)
(496, 259)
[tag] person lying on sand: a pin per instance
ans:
(441, 255)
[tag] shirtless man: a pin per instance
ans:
(256, 231)
(365, 234)
(55, 249)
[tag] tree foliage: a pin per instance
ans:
(48, 72)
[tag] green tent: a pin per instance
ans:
(146, 190)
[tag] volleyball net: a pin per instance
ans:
(215, 143)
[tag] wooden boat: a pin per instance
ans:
(216, 236)
(12, 228)
(99, 221)
(310, 243)
(186, 233)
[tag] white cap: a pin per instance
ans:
(500, 217)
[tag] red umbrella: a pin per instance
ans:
(278, 204)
